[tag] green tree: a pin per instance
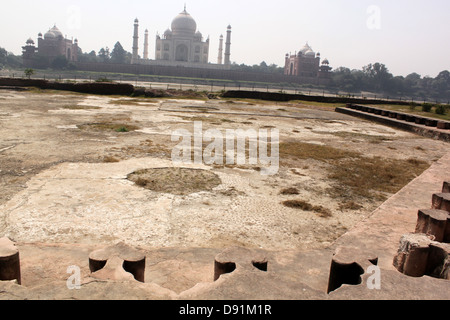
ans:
(378, 76)
(441, 84)
(3, 55)
(28, 72)
(118, 54)
(104, 55)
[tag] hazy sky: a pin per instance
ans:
(406, 35)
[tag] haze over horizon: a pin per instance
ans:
(406, 35)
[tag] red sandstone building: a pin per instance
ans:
(306, 63)
(51, 46)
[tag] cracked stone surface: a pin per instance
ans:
(66, 195)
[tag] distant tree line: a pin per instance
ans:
(262, 67)
(8, 59)
(377, 78)
(105, 55)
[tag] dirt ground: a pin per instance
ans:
(65, 160)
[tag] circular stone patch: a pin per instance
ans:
(178, 181)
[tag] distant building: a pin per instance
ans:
(306, 63)
(51, 46)
(182, 42)
(181, 45)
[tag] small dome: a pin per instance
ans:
(53, 33)
(40, 35)
(306, 49)
(310, 53)
(56, 32)
(325, 62)
(184, 23)
(30, 41)
(49, 35)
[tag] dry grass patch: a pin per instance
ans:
(108, 126)
(78, 107)
(129, 102)
(301, 151)
(373, 178)
(178, 181)
(144, 149)
(110, 159)
(289, 191)
(306, 206)
(350, 205)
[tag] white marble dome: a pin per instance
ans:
(184, 23)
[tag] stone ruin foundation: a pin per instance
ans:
(426, 251)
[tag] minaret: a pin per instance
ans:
(135, 56)
(146, 45)
(220, 58)
(228, 47)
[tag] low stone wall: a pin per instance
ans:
(102, 88)
(284, 97)
(427, 127)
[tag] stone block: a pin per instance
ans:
(419, 120)
(431, 122)
(443, 125)
(441, 201)
(446, 187)
(401, 116)
(9, 261)
(412, 255)
(434, 223)
(410, 118)
(118, 262)
(419, 255)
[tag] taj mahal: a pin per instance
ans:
(181, 44)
